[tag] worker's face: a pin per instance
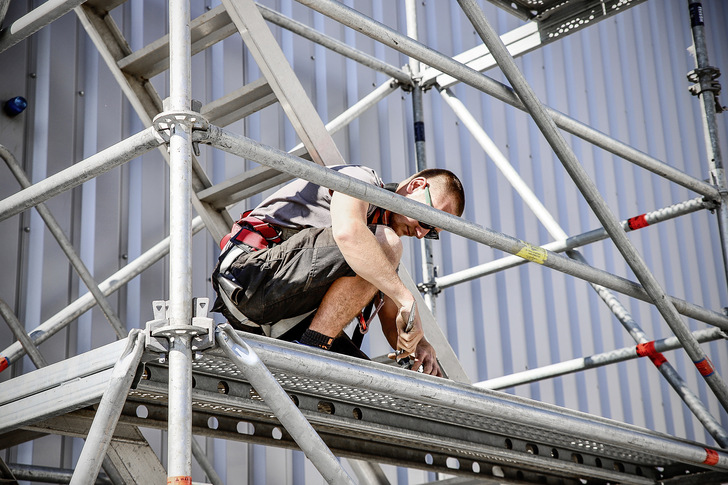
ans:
(416, 190)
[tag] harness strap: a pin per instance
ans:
(252, 231)
(228, 291)
(250, 234)
(379, 215)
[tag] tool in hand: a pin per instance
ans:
(406, 362)
(407, 329)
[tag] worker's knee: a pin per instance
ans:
(390, 243)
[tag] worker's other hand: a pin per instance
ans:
(426, 359)
(407, 341)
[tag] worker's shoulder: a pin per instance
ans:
(360, 172)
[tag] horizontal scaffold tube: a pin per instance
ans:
(591, 362)
(573, 242)
(78, 173)
(391, 38)
(85, 302)
(246, 148)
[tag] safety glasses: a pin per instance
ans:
(431, 231)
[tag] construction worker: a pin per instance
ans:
(305, 262)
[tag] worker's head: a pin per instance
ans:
(437, 187)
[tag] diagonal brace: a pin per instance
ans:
(606, 295)
(279, 74)
(66, 246)
(594, 199)
(284, 409)
(17, 328)
(109, 410)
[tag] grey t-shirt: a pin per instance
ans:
(301, 204)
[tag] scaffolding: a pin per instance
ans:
(191, 376)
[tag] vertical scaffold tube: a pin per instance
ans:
(428, 265)
(594, 199)
(704, 75)
(179, 468)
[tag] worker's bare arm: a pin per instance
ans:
(365, 255)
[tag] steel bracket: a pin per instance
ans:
(166, 122)
(159, 331)
(409, 87)
(430, 287)
(711, 204)
(704, 79)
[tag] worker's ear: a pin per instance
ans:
(416, 183)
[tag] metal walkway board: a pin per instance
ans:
(380, 413)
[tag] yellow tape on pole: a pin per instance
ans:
(533, 253)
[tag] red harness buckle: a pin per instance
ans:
(252, 232)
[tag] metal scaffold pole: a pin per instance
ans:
(180, 330)
(593, 361)
(247, 148)
(594, 199)
(707, 89)
(22, 337)
(86, 301)
(557, 232)
(390, 37)
(73, 176)
(66, 245)
(573, 242)
(428, 265)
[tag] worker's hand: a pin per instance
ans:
(426, 359)
(407, 340)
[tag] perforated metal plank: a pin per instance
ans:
(550, 20)
(376, 412)
(385, 414)
(58, 388)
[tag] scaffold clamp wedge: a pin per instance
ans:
(202, 327)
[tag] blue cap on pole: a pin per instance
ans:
(15, 106)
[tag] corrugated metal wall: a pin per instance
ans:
(624, 76)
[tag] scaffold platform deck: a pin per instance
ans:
(368, 411)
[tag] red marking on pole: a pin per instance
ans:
(705, 367)
(711, 457)
(648, 350)
(4, 363)
(645, 349)
(637, 222)
(179, 480)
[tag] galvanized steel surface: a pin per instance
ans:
(624, 76)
